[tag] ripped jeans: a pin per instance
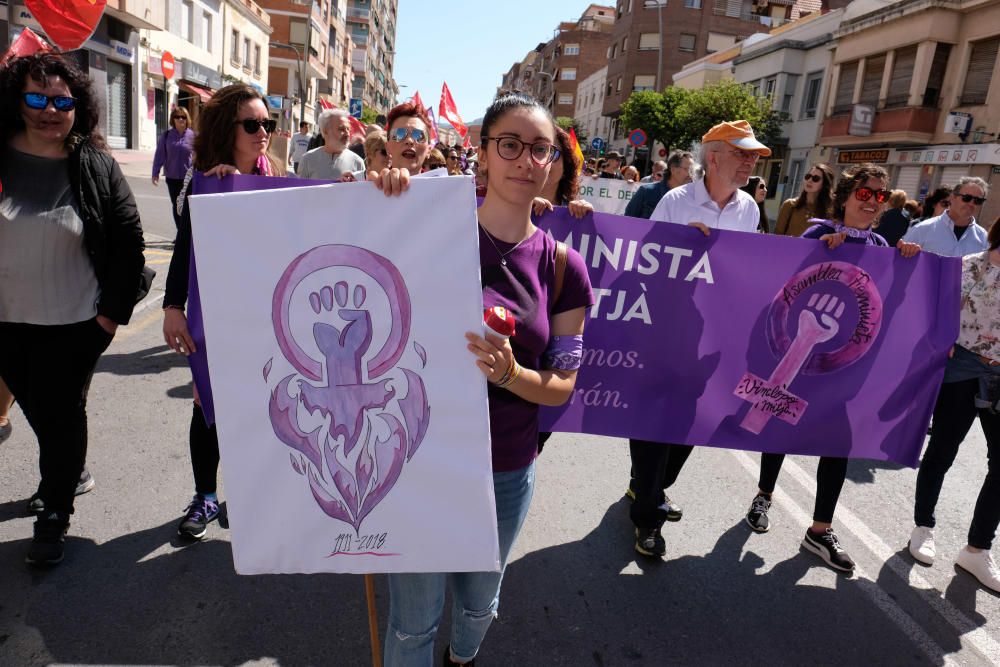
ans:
(416, 601)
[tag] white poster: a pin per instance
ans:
(353, 422)
(607, 195)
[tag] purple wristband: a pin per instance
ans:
(564, 353)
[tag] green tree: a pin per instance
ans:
(655, 114)
(567, 123)
(727, 101)
(368, 115)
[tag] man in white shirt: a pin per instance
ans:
(729, 152)
(955, 233)
(332, 159)
(300, 144)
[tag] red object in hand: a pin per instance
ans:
(499, 321)
(68, 23)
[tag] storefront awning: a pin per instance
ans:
(203, 93)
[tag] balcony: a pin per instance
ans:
(355, 14)
(900, 125)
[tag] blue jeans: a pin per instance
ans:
(416, 601)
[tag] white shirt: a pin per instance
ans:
(300, 144)
(692, 203)
(937, 235)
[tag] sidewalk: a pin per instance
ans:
(131, 157)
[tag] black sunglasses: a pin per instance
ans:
(39, 102)
(814, 178)
(967, 198)
(252, 125)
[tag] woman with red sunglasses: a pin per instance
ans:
(858, 201)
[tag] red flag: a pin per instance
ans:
(26, 44)
(358, 128)
(576, 149)
(326, 104)
(68, 23)
(467, 143)
(416, 99)
(449, 111)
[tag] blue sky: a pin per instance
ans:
(470, 44)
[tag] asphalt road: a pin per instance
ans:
(575, 593)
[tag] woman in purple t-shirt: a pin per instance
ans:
(858, 201)
(536, 366)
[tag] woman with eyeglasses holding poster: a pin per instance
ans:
(813, 202)
(234, 135)
(858, 201)
(173, 156)
(536, 366)
(71, 265)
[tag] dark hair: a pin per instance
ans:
(912, 207)
(38, 67)
(824, 198)
(852, 178)
(993, 237)
(182, 113)
(407, 110)
(504, 102)
(751, 189)
(216, 137)
(677, 158)
(569, 183)
(933, 199)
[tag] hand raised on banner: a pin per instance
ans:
(580, 207)
(175, 332)
(392, 182)
(700, 225)
(493, 355)
(834, 240)
(222, 170)
(540, 206)
(907, 249)
(347, 177)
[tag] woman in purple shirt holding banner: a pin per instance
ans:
(173, 156)
(521, 270)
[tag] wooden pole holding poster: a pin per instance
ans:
(373, 621)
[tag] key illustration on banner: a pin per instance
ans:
(842, 305)
(350, 428)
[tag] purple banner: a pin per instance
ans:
(201, 185)
(757, 342)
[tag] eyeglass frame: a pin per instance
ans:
(404, 133)
(813, 177)
(49, 99)
(881, 196)
(554, 152)
(246, 123)
(967, 198)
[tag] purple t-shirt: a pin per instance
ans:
(823, 227)
(523, 287)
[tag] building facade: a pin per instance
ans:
(372, 27)
(336, 88)
(246, 31)
(589, 109)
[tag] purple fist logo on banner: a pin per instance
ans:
(836, 305)
(353, 418)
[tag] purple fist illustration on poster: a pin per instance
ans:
(353, 418)
(838, 311)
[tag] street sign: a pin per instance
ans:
(356, 107)
(663, 152)
(597, 144)
(637, 138)
(167, 65)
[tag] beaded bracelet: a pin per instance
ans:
(511, 375)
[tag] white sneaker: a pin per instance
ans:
(981, 566)
(922, 545)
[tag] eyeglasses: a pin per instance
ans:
(762, 187)
(814, 178)
(967, 198)
(452, 157)
(657, 175)
(864, 194)
(400, 134)
(39, 102)
(746, 156)
(253, 125)
(509, 148)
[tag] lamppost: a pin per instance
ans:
(302, 76)
(659, 53)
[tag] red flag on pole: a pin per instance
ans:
(416, 99)
(358, 129)
(326, 104)
(68, 23)
(467, 143)
(449, 111)
(26, 44)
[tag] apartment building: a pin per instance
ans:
(336, 88)
(372, 27)
(589, 109)
(246, 31)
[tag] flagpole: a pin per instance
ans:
(373, 621)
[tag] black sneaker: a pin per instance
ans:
(757, 516)
(5, 432)
(50, 536)
(672, 509)
(86, 484)
(649, 542)
(827, 546)
(199, 514)
(446, 660)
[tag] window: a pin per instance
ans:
(256, 59)
(614, 50)
(810, 98)
(644, 82)
(687, 42)
(609, 88)
(625, 45)
(619, 86)
(649, 41)
(571, 50)
(297, 32)
(246, 53)
(719, 42)
(977, 79)
(567, 74)
(234, 47)
(769, 85)
(932, 92)
(565, 98)
(692, 4)
(902, 75)
(791, 82)
(845, 87)
(206, 31)
(187, 15)
(871, 84)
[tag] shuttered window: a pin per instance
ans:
(902, 75)
(845, 87)
(936, 78)
(977, 79)
(644, 82)
(871, 85)
(649, 41)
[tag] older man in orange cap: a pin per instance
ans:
(729, 152)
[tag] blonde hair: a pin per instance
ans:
(897, 199)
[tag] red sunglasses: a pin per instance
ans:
(864, 194)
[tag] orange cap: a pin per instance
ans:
(739, 134)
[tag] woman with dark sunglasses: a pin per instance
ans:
(173, 156)
(536, 366)
(71, 256)
(813, 202)
(757, 188)
(859, 199)
(234, 135)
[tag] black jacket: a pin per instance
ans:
(112, 231)
(645, 199)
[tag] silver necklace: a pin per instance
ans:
(503, 255)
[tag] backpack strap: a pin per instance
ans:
(562, 254)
